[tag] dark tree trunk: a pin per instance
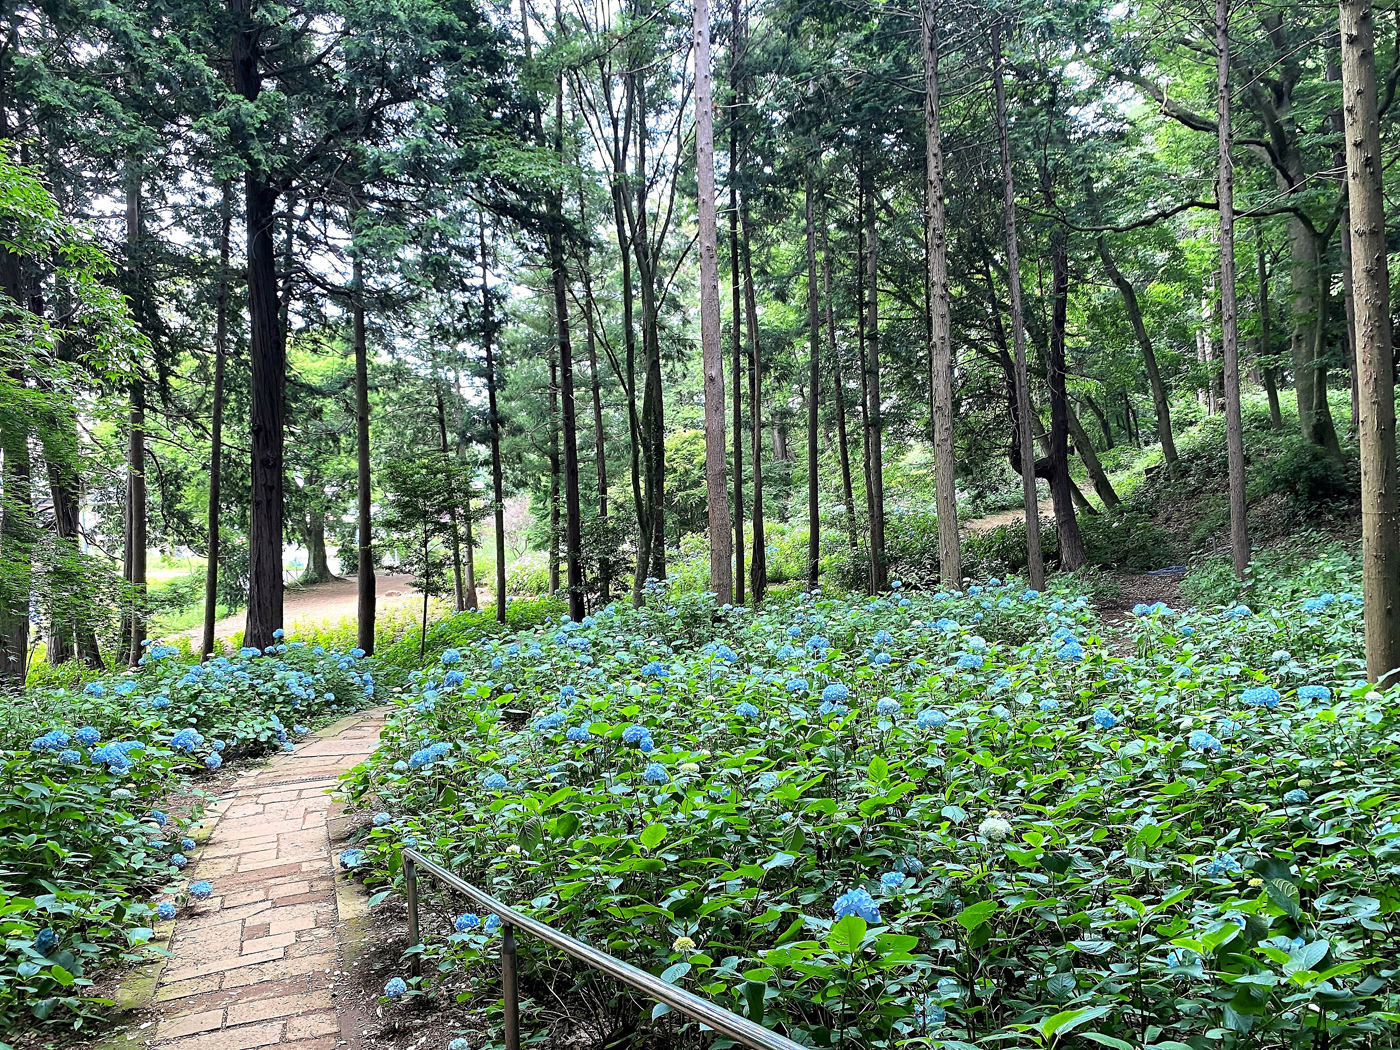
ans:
(498, 496)
(1066, 525)
(364, 496)
(554, 466)
(216, 425)
(736, 304)
(842, 440)
(318, 569)
(879, 578)
(1266, 335)
(758, 564)
(459, 588)
(1085, 447)
(814, 542)
(267, 392)
(600, 456)
(1104, 424)
(136, 526)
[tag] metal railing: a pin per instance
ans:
(740, 1029)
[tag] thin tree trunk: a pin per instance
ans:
(554, 469)
(879, 577)
(136, 445)
(711, 346)
(1035, 568)
(1266, 338)
(1062, 486)
(1337, 122)
(842, 441)
(1161, 403)
(1102, 485)
(600, 456)
(267, 392)
(1102, 418)
(814, 526)
(364, 496)
(459, 593)
(498, 495)
(945, 465)
(470, 552)
(1207, 340)
(653, 407)
(1229, 331)
(736, 306)
(758, 563)
(216, 424)
(1380, 515)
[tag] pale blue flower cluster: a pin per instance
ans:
(857, 902)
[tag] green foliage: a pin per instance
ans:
(468, 630)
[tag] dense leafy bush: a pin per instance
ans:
(465, 629)
(94, 800)
(960, 817)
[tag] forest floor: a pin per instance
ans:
(321, 604)
(1006, 517)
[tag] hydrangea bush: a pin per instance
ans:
(84, 836)
(1170, 837)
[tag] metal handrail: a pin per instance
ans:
(740, 1029)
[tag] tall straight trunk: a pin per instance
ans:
(216, 424)
(16, 541)
(1101, 416)
(653, 407)
(136, 530)
(459, 591)
(1229, 330)
(1266, 336)
(600, 456)
(554, 470)
(735, 295)
(842, 441)
(498, 495)
(1380, 514)
(1161, 403)
(758, 563)
(711, 344)
(874, 422)
(1102, 485)
(814, 525)
(364, 496)
(1337, 123)
(318, 568)
(859, 299)
(1309, 307)
(573, 511)
(945, 464)
(470, 554)
(1035, 568)
(1207, 340)
(1062, 486)
(267, 391)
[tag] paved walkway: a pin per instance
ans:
(255, 965)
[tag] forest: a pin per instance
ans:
(882, 514)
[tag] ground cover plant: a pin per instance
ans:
(92, 845)
(943, 819)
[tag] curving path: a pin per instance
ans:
(257, 964)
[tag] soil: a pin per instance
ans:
(319, 604)
(1006, 517)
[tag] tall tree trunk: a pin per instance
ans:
(16, 542)
(1308, 340)
(554, 466)
(1102, 417)
(1266, 335)
(945, 465)
(653, 407)
(1035, 568)
(842, 441)
(470, 553)
(364, 495)
(1380, 515)
(216, 424)
(1229, 331)
(459, 590)
(879, 573)
(711, 345)
(758, 563)
(267, 392)
(814, 522)
(498, 495)
(1337, 122)
(1161, 403)
(1102, 485)
(736, 306)
(136, 444)
(573, 510)
(1207, 340)
(1062, 486)
(318, 569)
(600, 456)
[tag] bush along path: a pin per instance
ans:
(254, 963)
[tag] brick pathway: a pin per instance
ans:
(255, 964)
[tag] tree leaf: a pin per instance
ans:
(974, 915)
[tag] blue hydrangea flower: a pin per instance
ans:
(218, 745)
(1261, 696)
(451, 656)
(165, 910)
(767, 781)
(634, 734)
(794, 631)
(828, 709)
(655, 669)
(818, 644)
(578, 734)
(857, 902)
(796, 685)
(458, 1044)
(883, 637)
(159, 818)
(1201, 740)
(655, 773)
(929, 1013)
(87, 736)
(395, 989)
(187, 843)
(1222, 866)
(495, 782)
(128, 687)
(95, 689)
(1237, 612)
(932, 719)
(550, 722)
(891, 881)
(45, 941)
(492, 923)
(1070, 652)
(69, 757)
(381, 818)
(466, 921)
(1048, 704)
(1105, 719)
(351, 858)
(970, 662)
(179, 860)
(888, 706)
(881, 660)
(746, 710)
(185, 740)
(911, 865)
(1295, 797)
(213, 761)
(1314, 692)
(835, 693)
(201, 891)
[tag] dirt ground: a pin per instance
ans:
(1006, 517)
(322, 603)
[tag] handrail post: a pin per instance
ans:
(410, 878)
(510, 991)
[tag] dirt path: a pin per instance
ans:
(322, 603)
(1006, 517)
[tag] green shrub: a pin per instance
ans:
(464, 630)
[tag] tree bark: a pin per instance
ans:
(1104, 424)
(364, 496)
(1380, 515)
(498, 496)
(267, 392)
(1102, 485)
(711, 345)
(1229, 331)
(874, 423)
(814, 525)
(945, 466)
(600, 456)
(758, 562)
(1062, 486)
(1266, 336)
(136, 445)
(736, 305)
(1035, 569)
(459, 590)
(554, 468)
(842, 441)
(216, 424)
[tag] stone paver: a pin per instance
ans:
(253, 966)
